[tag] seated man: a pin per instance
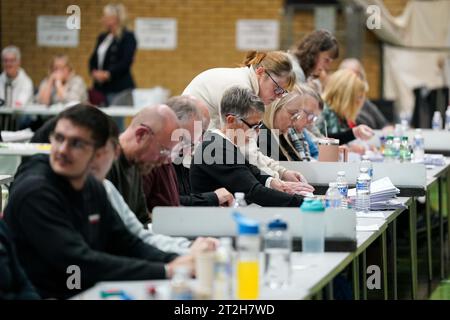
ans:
(145, 144)
(220, 163)
(14, 284)
(61, 218)
(100, 167)
(161, 185)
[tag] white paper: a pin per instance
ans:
(53, 32)
(372, 227)
(256, 34)
(156, 33)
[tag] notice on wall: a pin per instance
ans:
(156, 33)
(253, 34)
(52, 31)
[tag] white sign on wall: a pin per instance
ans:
(156, 33)
(52, 31)
(257, 34)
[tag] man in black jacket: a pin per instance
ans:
(219, 162)
(68, 237)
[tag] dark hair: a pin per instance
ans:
(92, 118)
(311, 45)
(240, 102)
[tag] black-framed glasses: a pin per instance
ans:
(254, 126)
(310, 117)
(278, 89)
(163, 151)
(78, 144)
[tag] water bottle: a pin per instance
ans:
(362, 203)
(396, 148)
(248, 247)
(447, 119)
(333, 197)
(313, 226)
(342, 186)
(405, 153)
(239, 200)
(180, 288)
(277, 254)
(366, 163)
(388, 149)
(223, 271)
(419, 146)
(436, 123)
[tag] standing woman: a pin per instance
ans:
(267, 74)
(110, 63)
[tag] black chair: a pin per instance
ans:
(426, 103)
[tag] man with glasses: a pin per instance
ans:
(221, 163)
(62, 220)
(161, 185)
(146, 143)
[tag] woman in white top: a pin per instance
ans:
(62, 84)
(269, 75)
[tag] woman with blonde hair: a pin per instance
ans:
(286, 120)
(344, 96)
(111, 60)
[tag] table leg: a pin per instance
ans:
(441, 228)
(393, 251)
(364, 275)
(413, 246)
(329, 289)
(384, 263)
(429, 239)
(355, 271)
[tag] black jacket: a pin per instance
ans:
(205, 199)
(54, 227)
(14, 284)
(371, 116)
(221, 164)
(118, 60)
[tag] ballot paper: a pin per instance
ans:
(17, 136)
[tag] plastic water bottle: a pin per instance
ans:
(239, 200)
(366, 163)
(313, 226)
(248, 248)
(180, 288)
(277, 254)
(396, 148)
(419, 146)
(333, 198)
(223, 271)
(342, 186)
(405, 152)
(447, 119)
(436, 123)
(388, 149)
(362, 203)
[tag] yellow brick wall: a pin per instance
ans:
(206, 36)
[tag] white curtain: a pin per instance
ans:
(422, 25)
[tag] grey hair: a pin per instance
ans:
(240, 102)
(185, 108)
(12, 49)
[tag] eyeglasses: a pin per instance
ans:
(278, 89)
(255, 126)
(78, 144)
(310, 117)
(163, 151)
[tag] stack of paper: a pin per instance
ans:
(17, 136)
(382, 194)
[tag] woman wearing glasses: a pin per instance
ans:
(285, 122)
(267, 74)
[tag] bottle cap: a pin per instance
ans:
(332, 184)
(312, 206)
(365, 157)
(341, 173)
(239, 195)
(277, 224)
(363, 170)
(245, 225)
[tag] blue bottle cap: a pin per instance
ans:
(277, 224)
(246, 225)
(312, 206)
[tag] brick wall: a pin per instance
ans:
(206, 36)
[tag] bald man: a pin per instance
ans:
(145, 144)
